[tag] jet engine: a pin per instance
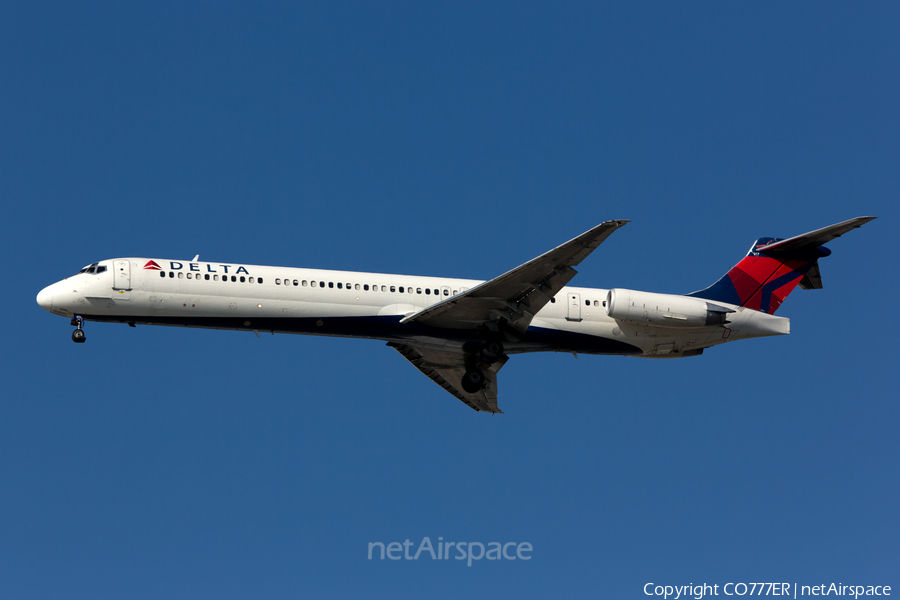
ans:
(664, 310)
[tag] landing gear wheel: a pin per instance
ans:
(78, 336)
(491, 352)
(473, 381)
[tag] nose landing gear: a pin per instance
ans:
(78, 334)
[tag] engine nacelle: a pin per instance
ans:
(664, 310)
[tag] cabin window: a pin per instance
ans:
(418, 290)
(252, 280)
(312, 283)
(331, 284)
(188, 275)
(233, 278)
(215, 277)
(260, 280)
(428, 291)
(409, 290)
(340, 285)
(348, 286)
(455, 292)
(400, 289)
(587, 302)
(242, 279)
(206, 277)
(171, 274)
(596, 303)
(321, 284)
(446, 292)
(366, 287)
(304, 283)
(553, 300)
(278, 281)
(296, 282)
(162, 273)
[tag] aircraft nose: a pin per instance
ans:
(45, 298)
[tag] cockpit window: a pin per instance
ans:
(90, 269)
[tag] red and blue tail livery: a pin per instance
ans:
(458, 332)
(774, 267)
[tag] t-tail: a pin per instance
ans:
(774, 267)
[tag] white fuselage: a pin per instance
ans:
(364, 305)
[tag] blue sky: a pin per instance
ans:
(459, 140)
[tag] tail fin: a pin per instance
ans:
(773, 268)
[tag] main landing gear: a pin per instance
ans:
(473, 381)
(78, 334)
(489, 353)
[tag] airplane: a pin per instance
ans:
(458, 332)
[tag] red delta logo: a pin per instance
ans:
(151, 264)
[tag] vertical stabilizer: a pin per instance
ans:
(773, 267)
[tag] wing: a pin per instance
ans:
(509, 302)
(447, 369)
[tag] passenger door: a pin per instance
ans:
(122, 279)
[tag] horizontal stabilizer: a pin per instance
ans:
(814, 238)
